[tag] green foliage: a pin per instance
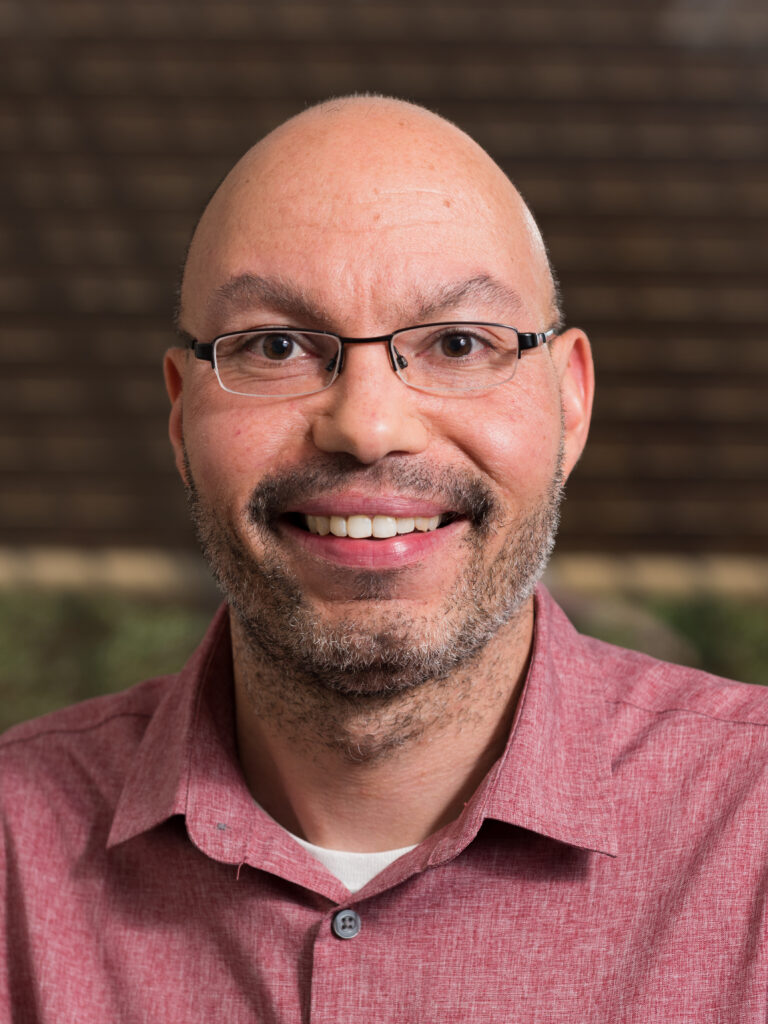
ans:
(730, 636)
(57, 648)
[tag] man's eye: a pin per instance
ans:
(277, 347)
(459, 343)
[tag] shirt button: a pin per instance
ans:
(345, 924)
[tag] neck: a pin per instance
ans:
(375, 772)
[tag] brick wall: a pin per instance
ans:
(638, 133)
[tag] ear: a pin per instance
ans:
(572, 355)
(173, 370)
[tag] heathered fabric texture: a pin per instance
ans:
(611, 867)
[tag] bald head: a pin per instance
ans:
(354, 202)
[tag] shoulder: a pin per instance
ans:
(687, 753)
(87, 745)
(684, 745)
(93, 716)
(663, 723)
(67, 770)
(632, 681)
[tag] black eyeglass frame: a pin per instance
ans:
(527, 340)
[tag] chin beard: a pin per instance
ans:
(392, 653)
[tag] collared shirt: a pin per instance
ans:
(611, 867)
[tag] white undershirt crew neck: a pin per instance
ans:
(354, 870)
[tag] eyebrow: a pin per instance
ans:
(246, 291)
(480, 288)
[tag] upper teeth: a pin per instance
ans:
(370, 526)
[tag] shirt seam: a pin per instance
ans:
(685, 711)
(74, 730)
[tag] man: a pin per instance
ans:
(392, 784)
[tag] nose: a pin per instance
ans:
(368, 412)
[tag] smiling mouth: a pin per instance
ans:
(375, 527)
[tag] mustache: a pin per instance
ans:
(457, 490)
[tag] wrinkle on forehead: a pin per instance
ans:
(388, 210)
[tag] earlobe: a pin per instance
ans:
(173, 371)
(573, 359)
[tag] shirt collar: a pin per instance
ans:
(188, 749)
(554, 777)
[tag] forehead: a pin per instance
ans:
(369, 233)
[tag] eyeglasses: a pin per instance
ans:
(441, 359)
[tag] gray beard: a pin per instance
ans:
(381, 653)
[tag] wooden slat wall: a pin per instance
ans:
(638, 132)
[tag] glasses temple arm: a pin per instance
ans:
(529, 340)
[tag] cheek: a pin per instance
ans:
(232, 447)
(515, 443)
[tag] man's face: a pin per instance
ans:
(364, 246)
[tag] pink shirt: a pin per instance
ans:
(612, 866)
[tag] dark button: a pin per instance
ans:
(345, 924)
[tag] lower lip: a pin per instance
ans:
(391, 553)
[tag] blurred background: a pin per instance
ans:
(636, 131)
